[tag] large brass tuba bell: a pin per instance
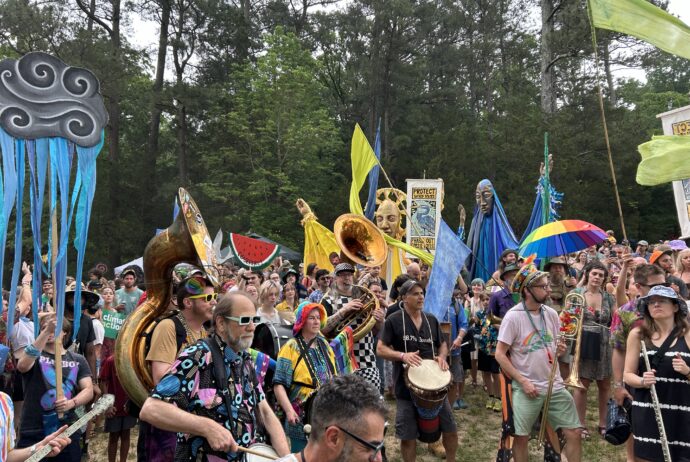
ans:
(361, 242)
(185, 241)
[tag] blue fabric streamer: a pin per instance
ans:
(16, 267)
(489, 236)
(374, 177)
(449, 259)
(86, 174)
(8, 194)
(537, 218)
(38, 154)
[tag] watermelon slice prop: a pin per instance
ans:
(252, 253)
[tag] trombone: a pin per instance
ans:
(571, 319)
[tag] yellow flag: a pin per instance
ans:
(664, 159)
(645, 21)
(319, 243)
(363, 160)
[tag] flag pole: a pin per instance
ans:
(603, 121)
(59, 392)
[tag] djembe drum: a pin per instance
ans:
(428, 386)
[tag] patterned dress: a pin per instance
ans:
(364, 349)
(597, 323)
(673, 391)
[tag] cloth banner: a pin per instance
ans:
(664, 159)
(451, 254)
(645, 21)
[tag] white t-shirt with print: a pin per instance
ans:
(527, 344)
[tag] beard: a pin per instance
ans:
(240, 343)
(346, 454)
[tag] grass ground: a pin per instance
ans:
(478, 433)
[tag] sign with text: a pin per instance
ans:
(424, 204)
(112, 322)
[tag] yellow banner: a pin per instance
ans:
(664, 159)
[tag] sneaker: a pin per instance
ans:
(461, 404)
(498, 407)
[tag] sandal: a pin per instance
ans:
(602, 431)
(585, 434)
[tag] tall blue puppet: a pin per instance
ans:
(490, 233)
(52, 118)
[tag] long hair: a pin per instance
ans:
(649, 327)
(679, 260)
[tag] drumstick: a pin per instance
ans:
(257, 453)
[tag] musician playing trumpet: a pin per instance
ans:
(666, 334)
(527, 347)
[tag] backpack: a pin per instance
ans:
(180, 332)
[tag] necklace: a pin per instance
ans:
(541, 333)
(191, 338)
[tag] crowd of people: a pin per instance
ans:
(212, 399)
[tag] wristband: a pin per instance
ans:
(74, 401)
(618, 384)
(31, 351)
(402, 357)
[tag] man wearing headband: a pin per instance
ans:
(342, 300)
(211, 395)
(527, 347)
(408, 337)
(348, 423)
(196, 298)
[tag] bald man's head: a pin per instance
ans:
(414, 271)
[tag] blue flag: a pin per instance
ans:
(374, 178)
(449, 259)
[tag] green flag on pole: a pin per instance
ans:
(645, 21)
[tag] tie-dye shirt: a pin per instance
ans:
(6, 426)
(191, 385)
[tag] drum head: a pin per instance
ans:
(269, 338)
(428, 376)
(263, 449)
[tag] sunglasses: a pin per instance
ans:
(244, 320)
(207, 297)
(375, 446)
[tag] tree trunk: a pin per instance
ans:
(156, 103)
(607, 70)
(114, 132)
(548, 84)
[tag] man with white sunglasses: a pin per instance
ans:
(211, 395)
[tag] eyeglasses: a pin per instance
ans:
(325, 278)
(664, 284)
(375, 446)
(207, 297)
(244, 320)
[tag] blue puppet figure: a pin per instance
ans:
(490, 233)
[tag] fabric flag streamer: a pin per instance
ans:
(643, 20)
(363, 160)
(67, 117)
(370, 208)
(664, 159)
(319, 243)
(344, 352)
(537, 218)
(451, 254)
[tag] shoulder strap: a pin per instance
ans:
(661, 352)
(303, 351)
(180, 332)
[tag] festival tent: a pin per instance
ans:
(137, 261)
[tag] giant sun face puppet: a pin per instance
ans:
(390, 211)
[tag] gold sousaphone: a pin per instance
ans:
(361, 242)
(185, 241)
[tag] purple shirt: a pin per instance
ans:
(500, 302)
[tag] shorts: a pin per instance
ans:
(406, 420)
(467, 359)
(456, 370)
(562, 412)
(487, 363)
(119, 423)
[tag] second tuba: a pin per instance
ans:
(185, 241)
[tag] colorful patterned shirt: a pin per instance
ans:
(190, 384)
(6, 426)
(624, 320)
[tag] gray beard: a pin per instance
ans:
(238, 344)
(346, 454)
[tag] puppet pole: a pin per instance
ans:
(59, 393)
